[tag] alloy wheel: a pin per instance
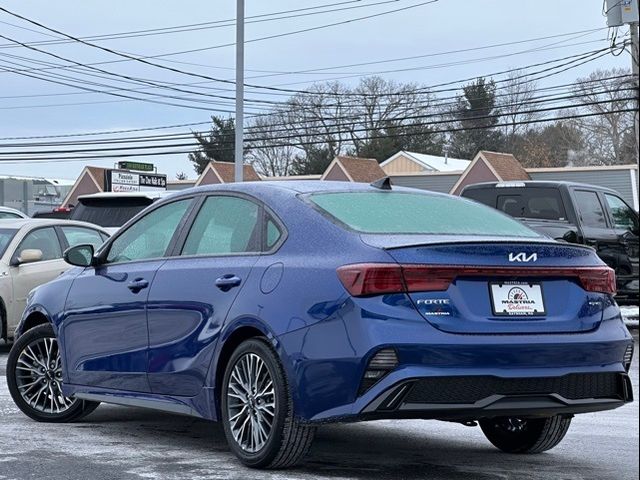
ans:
(251, 403)
(39, 377)
(512, 424)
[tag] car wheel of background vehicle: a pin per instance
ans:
(257, 411)
(34, 377)
(516, 435)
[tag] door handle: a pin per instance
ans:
(138, 284)
(227, 282)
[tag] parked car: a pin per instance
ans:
(30, 255)
(575, 213)
(276, 307)
(11, 213)
(60, 213)
(111, 210)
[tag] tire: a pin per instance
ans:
(36, 390)
(514, 435)
(287, 440)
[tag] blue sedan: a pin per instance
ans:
(276, 307)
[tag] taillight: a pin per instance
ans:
(367, 279)
(600, 279)
(371, 278)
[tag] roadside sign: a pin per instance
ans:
(138, 166)
(126, 181)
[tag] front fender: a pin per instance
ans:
(23, 325)
(49, 300)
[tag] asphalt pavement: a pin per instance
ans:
(129, 443)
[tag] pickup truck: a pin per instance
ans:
(574, 213)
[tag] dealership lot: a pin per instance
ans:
(127, 443)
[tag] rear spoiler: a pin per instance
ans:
(390, 242)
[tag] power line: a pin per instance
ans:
(573, 59)
(289, 128)
(202, 25)
(128, 77)
(349, 131)
(164, 67)
(299, 144)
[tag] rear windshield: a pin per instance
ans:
(109, 212)
(413, 213)
(536, 203)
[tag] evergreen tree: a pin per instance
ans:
(218, 145)
(476, 112)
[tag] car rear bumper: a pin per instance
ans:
(465, 398)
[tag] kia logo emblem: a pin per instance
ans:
(523, 257)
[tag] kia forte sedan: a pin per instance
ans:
(276, 307)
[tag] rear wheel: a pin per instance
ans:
(34, 377)
(257, 412)
(519, 435)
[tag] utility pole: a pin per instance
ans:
(239, 138)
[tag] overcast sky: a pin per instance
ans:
(438, 27)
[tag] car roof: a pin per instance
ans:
(297, 187)
(19, 223)
(11, 210)
(537, 183)
(151, 195)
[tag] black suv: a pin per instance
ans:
(575, 213)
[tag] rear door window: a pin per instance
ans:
(590, 209)
(224, 226)
(412, 213)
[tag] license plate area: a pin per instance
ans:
(512, 299)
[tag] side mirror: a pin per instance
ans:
(570, 237)
(80, 255)
(29, 255)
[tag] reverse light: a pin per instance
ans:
(379, 366)
(628, 357)
(366, 279)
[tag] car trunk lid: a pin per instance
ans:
(502, 287)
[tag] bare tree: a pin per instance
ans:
(516, 93)
(320, 115)
(267, 151)
(608, 132)
(384, 106)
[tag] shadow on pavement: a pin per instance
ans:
(359, 451)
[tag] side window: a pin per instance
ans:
(150, 236)
(623, 216)
(5, 215)
(43, 239)
(224, 225)
(590, 209)
(273, 234)
(82, 236)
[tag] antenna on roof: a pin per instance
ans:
(383, 184)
